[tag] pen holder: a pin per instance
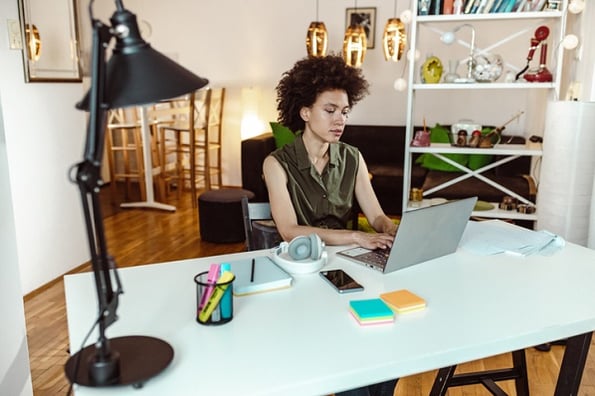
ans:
(214, 301)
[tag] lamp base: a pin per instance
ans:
(140, 358)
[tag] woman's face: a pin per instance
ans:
(327, 117)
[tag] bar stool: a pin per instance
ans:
(196, 141)
(124, 149)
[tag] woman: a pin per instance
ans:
(313, 181)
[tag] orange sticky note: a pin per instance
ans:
(403, 301)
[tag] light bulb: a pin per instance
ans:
(447, 38)
(405, 16)
(400, 84)
(570, 41)
(576, 6)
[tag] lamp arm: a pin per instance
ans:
(88, 178)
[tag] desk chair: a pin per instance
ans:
(259, 227)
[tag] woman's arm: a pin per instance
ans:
(368, 201)
(286, 220)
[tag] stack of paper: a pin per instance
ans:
(403, 301)
(371, 311)
(495, 236)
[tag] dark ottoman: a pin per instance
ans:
(220, 216)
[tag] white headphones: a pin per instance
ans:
(303, 255)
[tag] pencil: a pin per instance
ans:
(252, 272)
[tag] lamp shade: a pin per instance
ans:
(316, 39)
(137, 74)
(394, 39)
(146, 76)
(354, 45)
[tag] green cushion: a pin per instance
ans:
(440, 134)
(282, 134)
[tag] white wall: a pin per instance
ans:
(250, 44)
(15, 378)
(44, 137)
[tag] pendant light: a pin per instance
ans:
(355, 44)
(316, 38)
(394, 38)
(33, 39)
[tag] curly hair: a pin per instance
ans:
(308, 78)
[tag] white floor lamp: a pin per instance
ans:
(568, 169)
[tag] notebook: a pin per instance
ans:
(268, 276)
(423, 234)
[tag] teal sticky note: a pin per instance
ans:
(371, 308)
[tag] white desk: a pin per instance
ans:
(302, 340)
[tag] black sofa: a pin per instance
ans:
(383, 148)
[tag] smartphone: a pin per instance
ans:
(341, 281)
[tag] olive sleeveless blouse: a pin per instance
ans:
(320, 200)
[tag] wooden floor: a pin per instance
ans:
(140, 236)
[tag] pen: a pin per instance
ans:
(252, 271)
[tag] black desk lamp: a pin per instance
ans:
(135, 74)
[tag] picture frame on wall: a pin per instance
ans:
(366, 17)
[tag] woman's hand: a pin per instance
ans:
(373, 240)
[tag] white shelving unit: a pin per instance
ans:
(509, 152)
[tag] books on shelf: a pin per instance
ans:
(446, 7)
(403, 301)
(371, 311)
(261, 276)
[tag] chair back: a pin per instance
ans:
(263, 234)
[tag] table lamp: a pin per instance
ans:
(449, 38)
(135, 74)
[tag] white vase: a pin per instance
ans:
(452, 75)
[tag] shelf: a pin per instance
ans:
(498, 149)
(495, 213)
(503, 214)
(489, 16)
(520, 24)
(466, 86)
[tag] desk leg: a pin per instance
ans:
(442, 381)
(488, 378)
(573, 364)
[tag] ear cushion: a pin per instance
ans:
(305, 247)
(299, 248)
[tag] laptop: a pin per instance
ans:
(423, 234)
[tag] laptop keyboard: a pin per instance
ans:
(377, 257)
